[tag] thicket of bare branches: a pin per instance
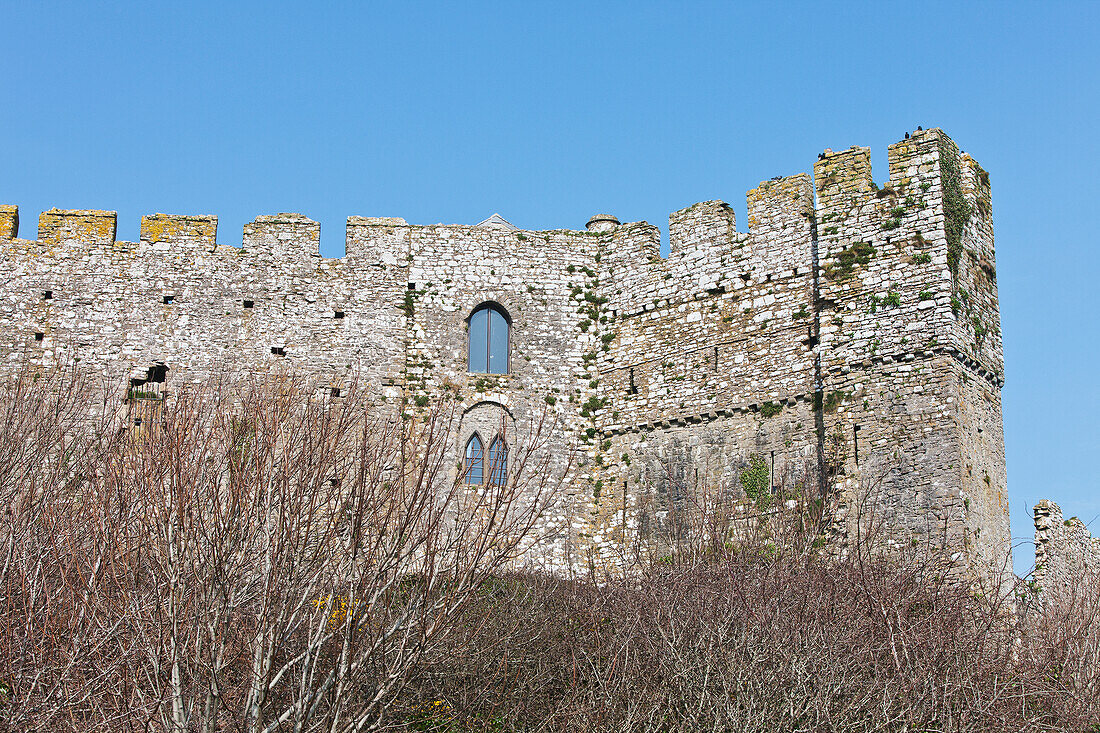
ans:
(255, 556)
(769, 632)
(251, 557)
(761, 640)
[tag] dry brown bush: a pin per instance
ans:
(758, 641)
(253, 557)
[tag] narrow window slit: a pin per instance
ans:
(855, 442)
(632, 389)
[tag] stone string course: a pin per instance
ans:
(846, 314)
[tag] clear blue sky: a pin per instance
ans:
(550, 112)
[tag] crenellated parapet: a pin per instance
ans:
(172, 229)
(292, 238)
(82, 225)
(376, 240)
(9, 221)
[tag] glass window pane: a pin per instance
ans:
(479, 340)
(498, 342)
(498, 462)
(473, 467)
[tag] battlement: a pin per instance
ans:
(9, 221)
(93, 227)
(171, 228)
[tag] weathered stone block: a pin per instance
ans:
(85, 225)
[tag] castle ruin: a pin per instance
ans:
(852, 328)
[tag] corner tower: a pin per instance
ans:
(910, 357)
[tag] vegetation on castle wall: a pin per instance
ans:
(857, 253)
(755, 479)
(956, 211)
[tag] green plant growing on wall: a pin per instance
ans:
(833, 400)
(857, 253)
(770, 409)
(956, 210)
(755, 479)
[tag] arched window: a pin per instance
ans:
(489, 340)
(473, 465)
(498, 462)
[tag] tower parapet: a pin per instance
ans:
(292, 238)
(9, 221)
(174, 228)
(84, 225)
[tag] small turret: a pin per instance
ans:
(602, 223)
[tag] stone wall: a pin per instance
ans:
(849, 339)
(1065, 553)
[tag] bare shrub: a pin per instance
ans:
(251, 557)
(752, 626)
(754, 641)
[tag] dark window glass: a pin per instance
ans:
(473, 466)
(488, 341)
(498, 462)
(498, 342)
(479, 341)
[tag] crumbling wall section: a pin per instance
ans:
(1065, 553)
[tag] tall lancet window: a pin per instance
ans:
(498, 462)
(488, 340)
(473, 467)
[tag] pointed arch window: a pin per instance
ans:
(498, 462)
(488, 340)
(473, 465)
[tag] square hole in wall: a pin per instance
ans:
(335, 392)
(412, 286)
(249, 304)
(38, 336)
(47, 295)
(167, 299)
(278, 351)
(338, 314)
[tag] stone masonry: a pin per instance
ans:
(851, 334)
(1065, 553)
